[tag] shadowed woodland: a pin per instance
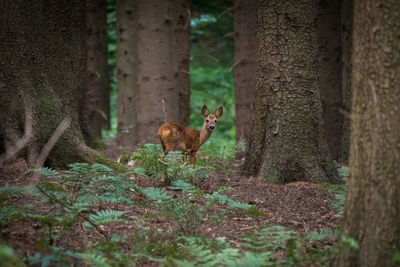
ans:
(199, 133)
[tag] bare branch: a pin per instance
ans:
(52, 141)
(164, 111)
(21, 143)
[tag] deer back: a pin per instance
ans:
(177, 137)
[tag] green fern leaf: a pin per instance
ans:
(107, 216)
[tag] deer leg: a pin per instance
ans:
(164, 153)
(192, 157)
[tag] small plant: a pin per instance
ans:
(193, 209)
(173, 167)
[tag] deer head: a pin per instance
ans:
(210, 120)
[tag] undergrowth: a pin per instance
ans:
(92, 201)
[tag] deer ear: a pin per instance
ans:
(204, 111)
(219, 112)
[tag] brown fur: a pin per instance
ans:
(175, 137)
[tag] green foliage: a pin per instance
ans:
(350, 242)
(58, 257)
(267, 239)
(73, 195)
(8, 258)
(8, 210)
(396, 257)
(193, 209)
(107, 216)
(173, 167)
(95, 260)
(323, 234)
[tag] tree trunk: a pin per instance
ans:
(329, 65)
(287, 141)
(157, 68)
(43, 67)
(183, 47)
(373, 203)
(347, 47)
(245, 13)
(95, 111)
(126, 71)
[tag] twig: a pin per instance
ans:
(164, 111)
(188, 18)
(235, 64)
(52, 141)
(21, 143)
(49, 146)
(224, 12)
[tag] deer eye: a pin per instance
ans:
(215, 121)
(207, 121)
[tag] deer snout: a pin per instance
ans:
(212, 127)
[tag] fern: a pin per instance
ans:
(156, 194)
(9, 211)
(57, 256)
(198, 252)
(95, 260)
(107, 216)
(267, 239)
(339, 204)
(323, 234)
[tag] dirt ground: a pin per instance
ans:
(299, 206)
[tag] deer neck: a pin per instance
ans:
(204, 135)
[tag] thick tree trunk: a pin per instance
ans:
(245, 13)
(157, 68)
(95, 111)
(126, 71)
(43, 67)
(373, 203)
(347, 47)
(330, 66)
(288, 105)
(183, 46)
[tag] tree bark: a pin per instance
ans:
(373, 203)
(245, 13)
(126, 71)
(43, 67)
(330, 78)
(183, 46)
(287, 141)
(347, 47)
(157, 68)
(95, 111)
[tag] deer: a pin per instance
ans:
(175, 137)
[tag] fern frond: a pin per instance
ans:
(323, 234)
(95, 260)
(267, 239)
(107, 216)
(156, 194)
(9, 191)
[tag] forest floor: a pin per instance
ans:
(300, 206)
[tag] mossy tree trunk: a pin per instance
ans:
(347, 47)
(43, 67)
(95, 111)
(287, 141)
(245, 14)
(373, 203)
(330, 75)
